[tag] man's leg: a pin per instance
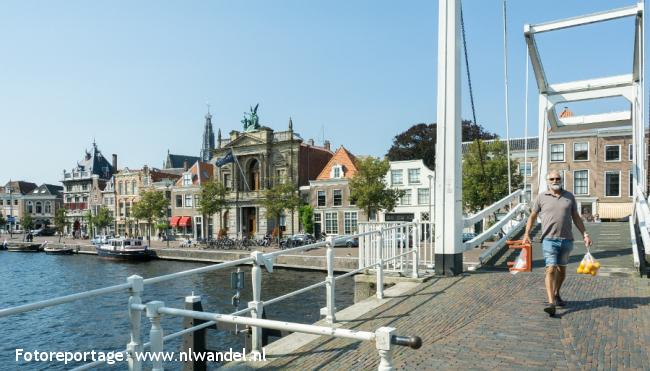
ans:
(550, 281)
(561, 275)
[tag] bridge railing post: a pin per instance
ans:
(330, 284)
(135, 318)
(380, 265)
(416, 253)
(256, 304)
(383, 337)
(156, 333)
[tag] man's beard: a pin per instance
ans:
(556, 187)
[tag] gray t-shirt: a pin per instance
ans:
(556, 213)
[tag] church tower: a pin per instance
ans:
(208, 139)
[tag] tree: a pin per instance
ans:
(60, 221)
(90, 220)
(281, 197)
(27, 223)
(418, 142)
(369, 189)
(212, 201)
(479, 192)
(307, 218)
(103, 219)
(152, 206)
(3, 221)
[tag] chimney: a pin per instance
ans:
(326, 144)
(114, 163)
(185, 165)
(310, 142)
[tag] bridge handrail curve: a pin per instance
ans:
(473, 219)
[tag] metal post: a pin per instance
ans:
(135, 317)
(383, 337)
(194, 341)
(330, 309)
(156, 333)
(416, 244)
(256, 304)
(380, 266)
(449, 221)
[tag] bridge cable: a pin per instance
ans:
(526, 136)
(505, 69)
(471, 98)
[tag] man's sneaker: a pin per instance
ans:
(550, 309)
(559, 302)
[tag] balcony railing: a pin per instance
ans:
(76, 206)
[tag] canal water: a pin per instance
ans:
(101, 323)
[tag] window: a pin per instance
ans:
(581, 151)
(526, 169)
(630, 153)
(84, 187)
(331, 223)
(414, 176)
(423, 196)
(227, 182)
(179, 201)
(119, 188)
(188, 200)
(338, 197)
(613, 183)
(134, 189)
(321, 198)
(48, 207)
(526, 197)
(127, 208)
(424, 216)
(15, 202)
(350, 222)
(395, 177)
(613, 152)
(196, 201)
(30, 207)
(581, 182)
(406, 198)
(337, 171)
(557, 152)
(39, 207)
(631, 187)
(187, 179)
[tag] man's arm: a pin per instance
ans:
(577, 220)
(531, 220)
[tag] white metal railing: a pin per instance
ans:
(135, 286)
(641, 217)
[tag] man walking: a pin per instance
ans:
(557, 209)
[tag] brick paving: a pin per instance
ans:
(490, 320)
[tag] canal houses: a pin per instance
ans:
(108, 202)
(82, 187)
(415, 180)
(329, 196)
(12, 201)
(42, 203)
(186, 220)
(254, 160)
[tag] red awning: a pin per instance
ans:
(174, 221)
(185, 221)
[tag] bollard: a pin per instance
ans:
(383, 337)
(194, 341)
(256, 304)
(135, 318)
(380, 266)
(416, 248)
(156, 333)
(330, 285)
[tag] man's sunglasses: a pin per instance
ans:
(552, 179)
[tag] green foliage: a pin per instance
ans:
(90, 219)
(369, 189)
(152, 206)
(60, 221)
(27, 222)
(213, 198)
(103, 218)
(419, 141)
(281, 197)
(307, 218)
(483, 187)
(3, 221)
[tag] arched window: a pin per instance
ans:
(39, 207)
(30, 207)
(119, 188)
(48, 207)
(133, 187)
(254, 175)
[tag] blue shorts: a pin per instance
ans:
(556, 251)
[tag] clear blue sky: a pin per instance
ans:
(136, 76)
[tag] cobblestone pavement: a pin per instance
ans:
(494, 320)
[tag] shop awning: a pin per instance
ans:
(185, 221)
(174, 221)
(614, 210)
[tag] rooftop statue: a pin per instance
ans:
(251, 121)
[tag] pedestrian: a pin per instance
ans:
(557, 208)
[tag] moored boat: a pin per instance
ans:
(29, 247)
(125, 249)
(59, 250)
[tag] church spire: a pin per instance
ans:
(208, 138)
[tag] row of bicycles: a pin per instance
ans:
(227, 243)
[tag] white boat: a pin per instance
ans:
(125, 249)
(58, 250)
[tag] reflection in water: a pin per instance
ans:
(101, 323)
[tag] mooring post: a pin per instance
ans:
(416, 248)
(156, 333)
(383, 337)
(330, 284)
(194, 341)
(256, 305)
(135, 318)
(380, 266)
